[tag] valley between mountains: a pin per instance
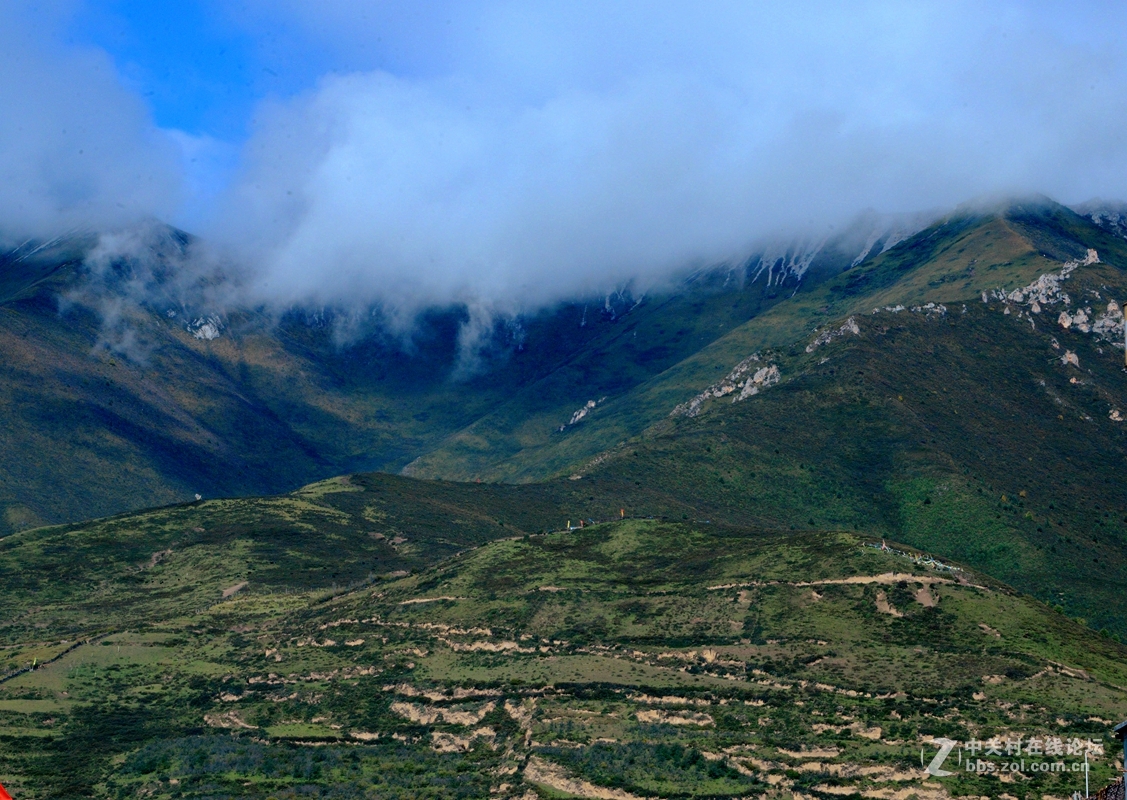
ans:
(770, 532)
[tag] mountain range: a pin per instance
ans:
(133, 381)
(767, 529)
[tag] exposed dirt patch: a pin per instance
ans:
(885, 607)
(925, 598)
(666, 718)
(428, 715)
(228, 719)
(819, 752)
(231, 591)
(886, 578)
(670, 700)
(555, 777)
(443, 742)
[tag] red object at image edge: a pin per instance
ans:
(4, 793)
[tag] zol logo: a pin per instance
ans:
(936, 766)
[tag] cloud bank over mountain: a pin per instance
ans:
(509, 156)
(77, 147)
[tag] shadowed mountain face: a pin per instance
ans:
(963, 392)
(127, 381)
(960, 391)
(971, 433)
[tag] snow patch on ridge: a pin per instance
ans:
(892, 235)
(791, 260)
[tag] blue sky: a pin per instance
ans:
(196, 72)
(203, 66)
(197, 68)
(514, 152)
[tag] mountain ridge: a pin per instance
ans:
(1008, 257)
(142, 393)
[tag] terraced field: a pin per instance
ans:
(630, 659)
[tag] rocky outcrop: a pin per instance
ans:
(763, 377)
(741, 379)
(205, 328)
(927, 309)
(826, 337)
(1109, 324)
(579, 415)
(1047, 290)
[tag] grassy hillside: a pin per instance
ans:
(953, 261)
(111, 401)
(962, 430)
(82, 579)
(639, 658)
(742, 633)
(965, 433)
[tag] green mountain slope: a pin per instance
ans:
(83, 579)
(953, 261)
(645, 658)
(961, 427)
(122, 386)
(992, 435)
(114, 397)
(744, 633)
(991, 450)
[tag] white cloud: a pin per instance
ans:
(508, 154)
(517, 154)
(76, 148)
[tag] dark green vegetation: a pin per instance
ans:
(83, 579)
(953, 261)
(655, 659)
(990, 451)
(962, 431)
